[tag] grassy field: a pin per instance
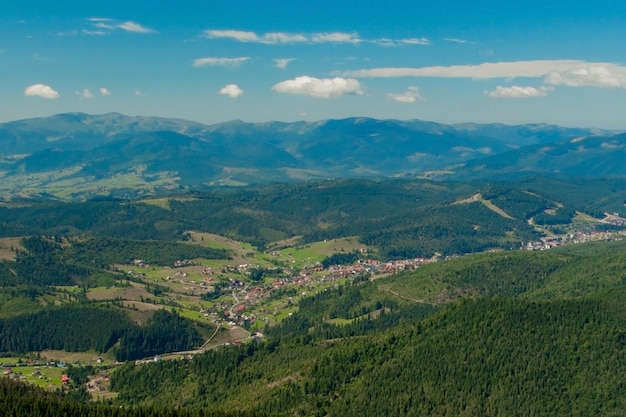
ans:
(66, 185)
(311, 253)
(135, 292)
(142, 290)
(8, 247)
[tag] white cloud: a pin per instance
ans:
(457, 40)
(41, 90)
(274, 38)
(320, 88)
(335, 37)
(134, 27)
(139, 93)
(105, 91)
(94, 32)
(85, 94)
(245, 36)
(401, 42)
(282, 62)
(104, 25)
(385, 42)
(602, 76)
(517, 91)
(231, 90)
(238, 35)
(410, 96)
(572, 73)
(481, 71)
(212, 61)
(280, 37)
(415, 41)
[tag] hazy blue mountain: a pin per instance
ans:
(81, 131)
(584, 157)
(43, 153)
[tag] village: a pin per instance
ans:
(242, 298)
(232, 298)
(252, 295)
(551, 242)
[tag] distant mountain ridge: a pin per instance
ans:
(103, 154)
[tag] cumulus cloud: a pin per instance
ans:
(602, 76)
(410, 96)
(212, 61)
(231, 90)
(517, 91)
(85, 94)
(572, 73)
(105, 91)
(282, 62)
(41, 90)
(320, 88)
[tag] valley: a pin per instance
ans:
(312, 209)
(306, 296)
(76, 156)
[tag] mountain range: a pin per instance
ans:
(77, 156)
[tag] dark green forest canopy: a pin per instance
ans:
(80, 328)
(85, 261)
(21, 400)
(493, 356)
(387, 213)
(501, 334)
(543, 333)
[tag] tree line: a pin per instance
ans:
(79, 328)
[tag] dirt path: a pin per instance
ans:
(496, 209)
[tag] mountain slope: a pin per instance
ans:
(88, 153)
(584, 157)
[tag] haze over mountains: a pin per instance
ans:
(114, 154)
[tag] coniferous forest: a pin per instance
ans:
(478, 327)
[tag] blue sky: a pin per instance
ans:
(561, 62)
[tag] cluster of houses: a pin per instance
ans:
(298, 283)
(550, 242)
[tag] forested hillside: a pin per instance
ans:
(472, 326)
(402, 218)
(534, 333)
(76, 156)
(20, 400)
(508, 357)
